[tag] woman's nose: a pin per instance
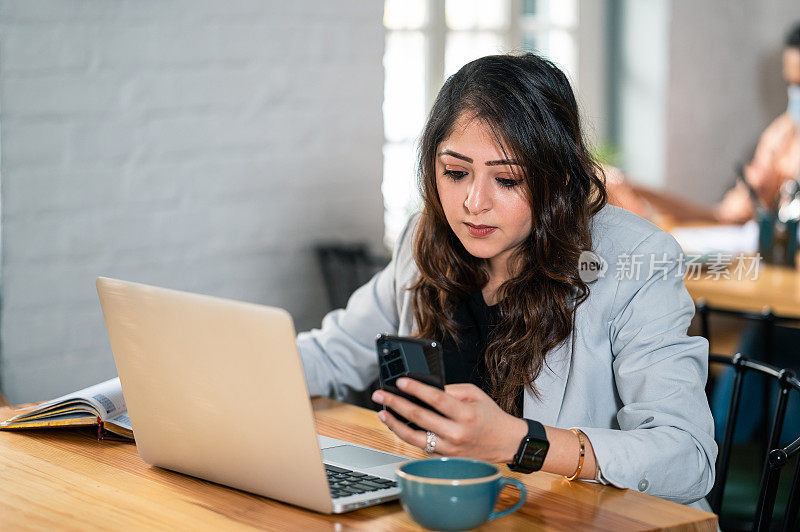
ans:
(479, 196)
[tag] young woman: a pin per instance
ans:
(533, 347)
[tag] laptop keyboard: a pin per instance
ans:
(344, 482)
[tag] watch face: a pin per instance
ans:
(533, 455)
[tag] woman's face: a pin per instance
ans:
(479, 186)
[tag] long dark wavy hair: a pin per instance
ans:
(528, 104)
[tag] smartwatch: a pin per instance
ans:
(532, 449)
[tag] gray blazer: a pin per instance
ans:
(634, 382)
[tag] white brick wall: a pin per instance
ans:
(199, 145)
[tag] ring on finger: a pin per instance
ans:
(430, 442)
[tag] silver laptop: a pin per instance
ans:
(215, 389)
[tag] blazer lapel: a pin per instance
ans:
(551, 384)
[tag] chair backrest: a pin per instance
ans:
(345, 267)
(766, 318)
(776, 458)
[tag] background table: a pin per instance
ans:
(67, 480)
(775, 286)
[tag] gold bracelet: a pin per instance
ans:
(579, 434)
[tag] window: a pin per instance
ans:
(429, 40)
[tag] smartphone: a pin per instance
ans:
(416, 358)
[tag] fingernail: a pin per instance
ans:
(402, 383)
(382, 416)
(377, 396)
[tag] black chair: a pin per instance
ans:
(765, 322)
(345, 267)
(766, 319)
(776, 458)
(767, 455)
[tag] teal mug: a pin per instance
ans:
(453, 493)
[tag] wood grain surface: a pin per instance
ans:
(777, 287)
(68, 480)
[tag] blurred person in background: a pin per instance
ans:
(776, 160)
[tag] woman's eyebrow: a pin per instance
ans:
(469, 160)
(502, 162)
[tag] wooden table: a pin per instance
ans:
(67, 480)
(777, 287)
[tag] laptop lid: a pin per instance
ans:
(215, 389)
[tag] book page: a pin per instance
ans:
(48, 421)
(123, 421)
(108, 395)
(120, 425)
(81, 407)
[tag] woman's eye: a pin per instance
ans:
(455, 175)
(508, 183)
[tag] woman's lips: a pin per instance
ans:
(480, 230)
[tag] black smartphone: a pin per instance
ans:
(416, 358)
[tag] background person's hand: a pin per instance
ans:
(470, 424)
(756, 174)
(766, 182)
(736, 206)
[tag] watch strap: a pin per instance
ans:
(536, 430)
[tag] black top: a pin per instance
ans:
(468, 363)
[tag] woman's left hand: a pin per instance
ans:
(471, 424)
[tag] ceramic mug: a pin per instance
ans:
(453, 493)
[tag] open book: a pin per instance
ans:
(101, 405)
